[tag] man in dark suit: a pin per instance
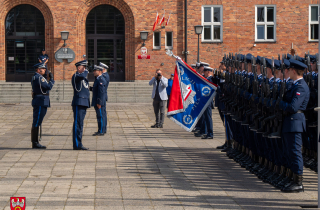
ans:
(80, 103)
(107, 79)
(40, 101)
(99, 100)
(294, 124)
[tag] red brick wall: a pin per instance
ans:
(238, 31)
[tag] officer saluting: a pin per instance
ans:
(80, 102)
(107, 79)
(40, 101)
(44, 58)
(294, 124)
(99, 100)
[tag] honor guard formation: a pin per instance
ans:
(267, 107)
(80, 102)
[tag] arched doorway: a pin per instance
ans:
(105, 34)
(25, 39)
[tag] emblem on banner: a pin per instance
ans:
(18, 203)
(187, 119)
(187, 94)
(206, 91)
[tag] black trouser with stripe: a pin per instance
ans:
(79, 113)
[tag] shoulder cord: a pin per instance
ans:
(75, 84)
(41, 88)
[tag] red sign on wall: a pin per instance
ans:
(144, 54)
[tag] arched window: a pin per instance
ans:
(25, 35)
(105, 29)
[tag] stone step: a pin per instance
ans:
(118, 92)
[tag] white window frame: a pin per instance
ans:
(169, 47)
(212, 24)
(157, 47)
(312, 22)
(265, 23)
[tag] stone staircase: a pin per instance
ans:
(118, 92)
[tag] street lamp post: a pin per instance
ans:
(64, 37)
(198, 30)
(144, 36)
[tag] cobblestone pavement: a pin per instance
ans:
(132, 167)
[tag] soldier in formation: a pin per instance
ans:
(267, 106)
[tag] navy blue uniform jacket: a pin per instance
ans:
(99, 91)
(296, 99)
(81, 94)
(40, 89)
(107, 79)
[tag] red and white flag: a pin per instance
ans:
(168, 19)
(156, 22)
(162, 19)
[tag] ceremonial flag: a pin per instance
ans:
(156, 22)
(190, 95)
(162, 19)
(168, 19)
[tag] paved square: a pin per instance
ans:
(132, 167)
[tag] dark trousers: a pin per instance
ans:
(79, 113)
(159, 106)
(101, 119)
(294, 144)
(105, 118)
(207, 126)
(38, 114)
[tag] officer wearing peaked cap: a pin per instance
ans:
(40, 101)
(207, 125)
(294, 124)
(107, 79)
(200, 69)
(99, 100)
(80, 102)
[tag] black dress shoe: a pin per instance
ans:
(296, 185)
(207, 137)
(160, 126)
(98, 134)
(195, 130)
(222, 146)
(37, 145)
(226, 149)
(81, 148)
(198, 135)
(155, 126)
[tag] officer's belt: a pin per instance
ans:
(299, 111)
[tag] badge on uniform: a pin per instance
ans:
(42, 79)
(298, 94)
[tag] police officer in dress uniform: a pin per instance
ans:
(40, 101)
(99, 100)
(44, 58)
(80, 102)
(107, 79)
(207, 125)
(294, 103)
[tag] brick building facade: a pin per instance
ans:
(236, 30)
